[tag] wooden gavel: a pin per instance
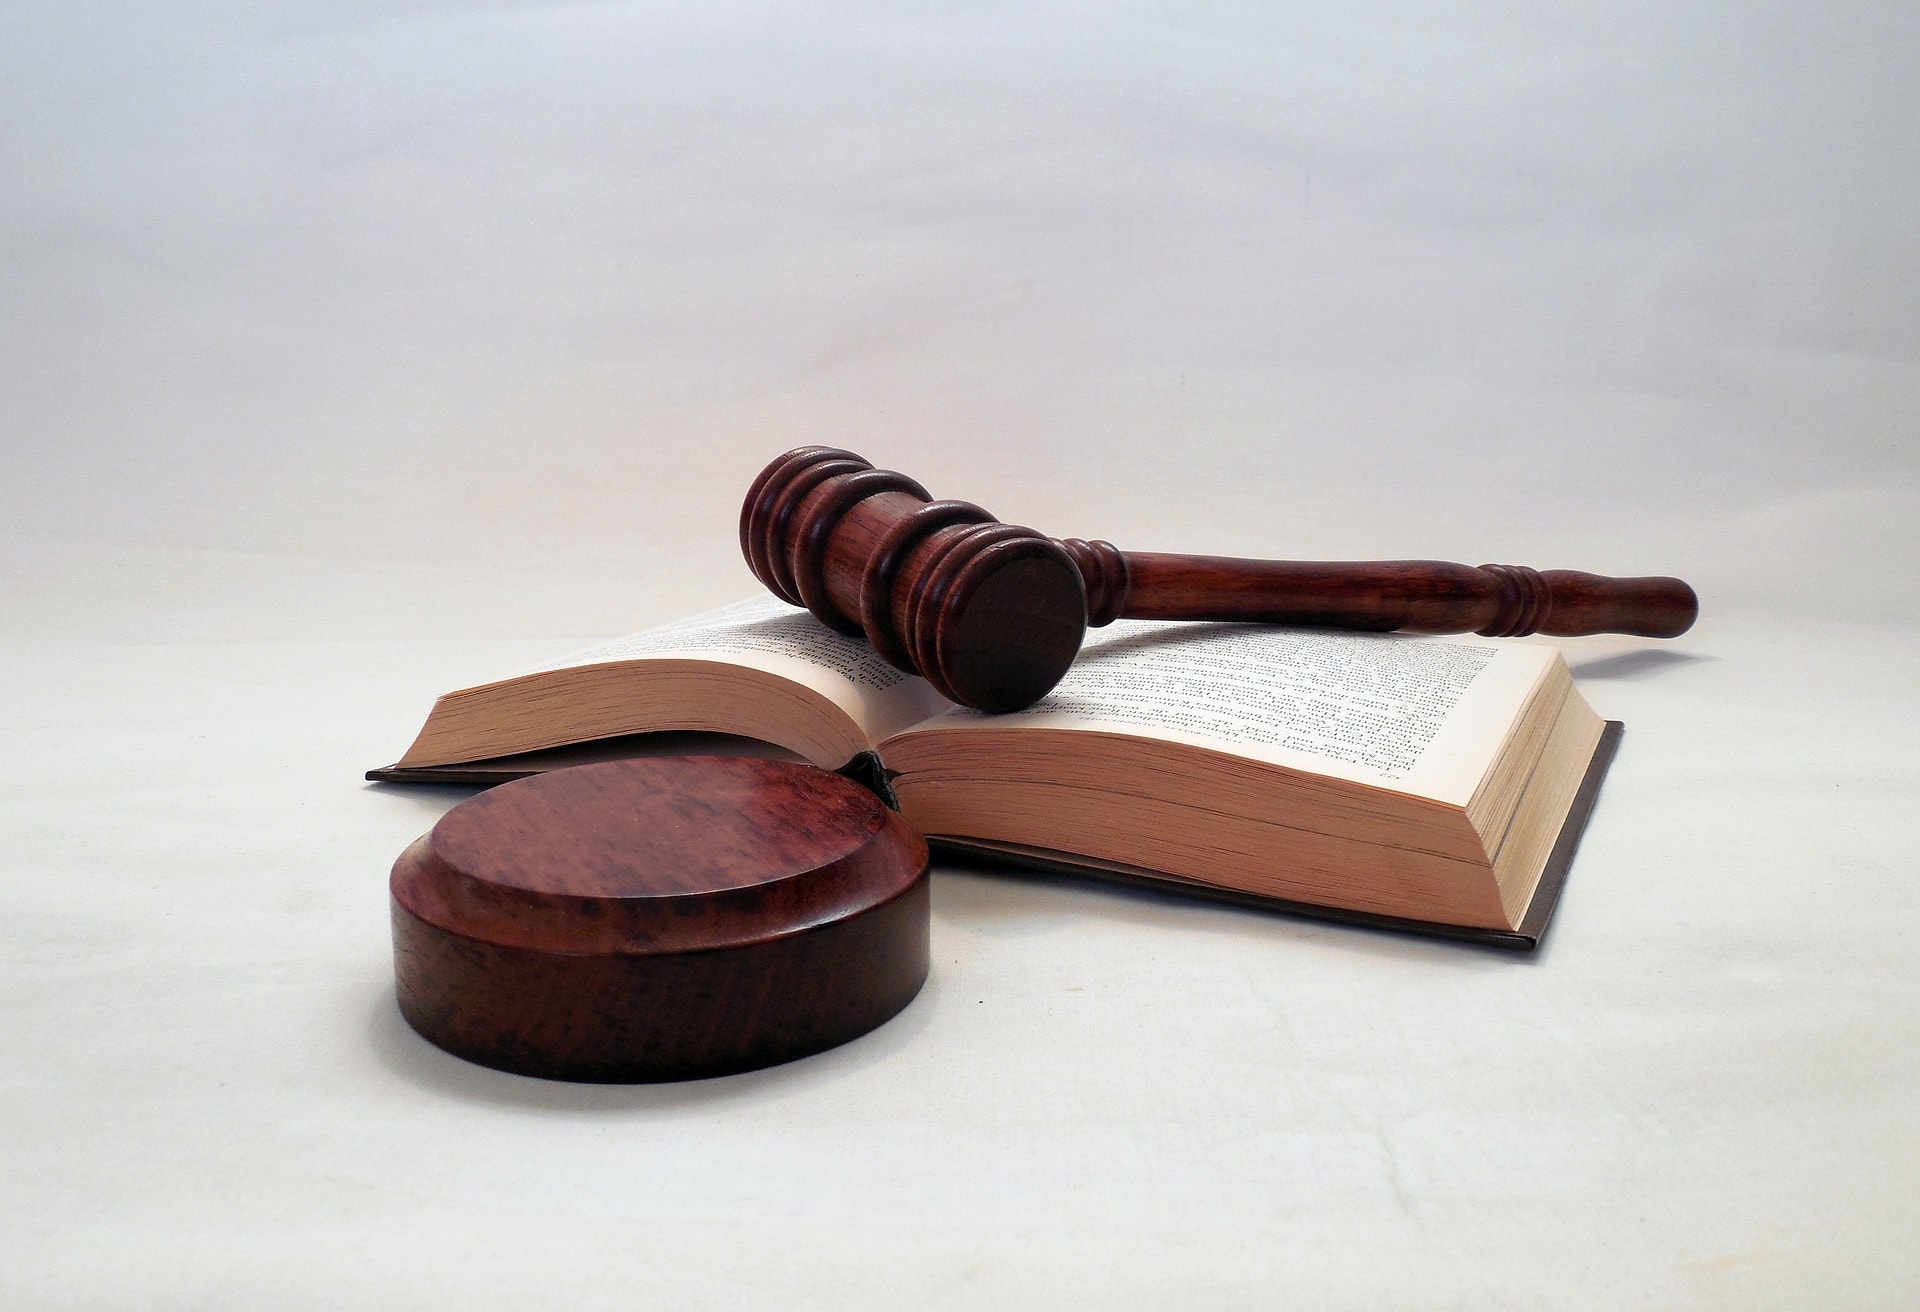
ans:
(993, 614)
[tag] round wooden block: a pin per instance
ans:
(660, 919)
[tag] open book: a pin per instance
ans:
(1437, 784)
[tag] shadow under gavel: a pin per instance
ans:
(993, 614)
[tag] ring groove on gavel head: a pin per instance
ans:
(815, 522)
(790, 493)
(756, 532)
(991, 614)
(883, 568)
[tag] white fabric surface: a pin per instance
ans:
(352, 352)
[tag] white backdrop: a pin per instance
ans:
(353, 351)
(1623, 286)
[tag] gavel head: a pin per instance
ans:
(991, 614)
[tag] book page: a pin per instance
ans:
(767, 634)
(1415, 714)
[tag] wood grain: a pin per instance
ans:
(659, 919)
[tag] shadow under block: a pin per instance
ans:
(660, 919)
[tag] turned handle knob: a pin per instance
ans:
(993, 614)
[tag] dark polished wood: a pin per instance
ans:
(993, 614)
(660, 919)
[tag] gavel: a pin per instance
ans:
(992, 614)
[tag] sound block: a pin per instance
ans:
(660, 919)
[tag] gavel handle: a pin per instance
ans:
(1415, 596)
